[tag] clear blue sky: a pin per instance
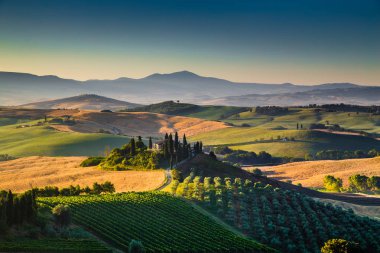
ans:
(268, 41)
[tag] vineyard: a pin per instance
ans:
(54, 245)
(285, 220)
(161, 222)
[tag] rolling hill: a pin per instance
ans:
(21, 88)
(352, 95)
(24, 133)
(191, 110)
(311, 173)
(83, 102)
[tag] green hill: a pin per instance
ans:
(190, 110)
(46, 141)
(260, 139)
(161, 222)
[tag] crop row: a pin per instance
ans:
(161, 222)
(286, 220)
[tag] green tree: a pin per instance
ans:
(176, 142)
(62, 215)
(339, 246)
(358, 183)
(332, 184)
(133, 147)
(150, 143)
(136, 247)
(108, 187)
(10, 209)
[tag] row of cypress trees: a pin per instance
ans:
(16, 209)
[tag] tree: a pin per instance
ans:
(176, 142)
(212, 155)
(332, 184)
(62, 215)
(108, 187)
(133, 147)
(97, 188)
(10, 210)
(171, 144)
(358, 183)
(340, 246)
(298, 126)
(257, 172)
(136, 247)
(150, 143)
(374, 183)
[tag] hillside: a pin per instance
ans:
(160, 221)
(353, 95)
(22, 88)
(311, 174)
(191, 110)
(305, 142)
(82, 102)
(21, 174)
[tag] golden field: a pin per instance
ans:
(37, 171)
(125, 123)
(311, 173)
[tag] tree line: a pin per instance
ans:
(53, 191)
(16, 209)
(357, 183)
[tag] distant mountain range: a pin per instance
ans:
(84, 102)
(20, 88)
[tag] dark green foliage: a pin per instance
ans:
(212, 155)
(6, 157)
(49, 245)
(62, 215)
(362, 183)
(245, 157)
(286, 220)
(92, 161)
(122, 158)
(271, 110)
(162, 222)
(340, 246)
(52, 191)
(339, 154)
(150, 143)
(16, 210)
(136, 247)
(257, 172)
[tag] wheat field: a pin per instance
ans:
(38, 171)
(311, 174)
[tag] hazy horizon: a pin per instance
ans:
(299, 42)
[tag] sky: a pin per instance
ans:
(265, 41)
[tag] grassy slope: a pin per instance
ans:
(158, 220)
(264, 127)
(49, 142)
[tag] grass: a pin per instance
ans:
(41, 140)
(263, 128)
(311, 174)
(21, 174)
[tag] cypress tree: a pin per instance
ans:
(150, 143)
(171, 144)
(166, 149)
(184, 141)
(200, 147)
(176, 142)
(3, 215)
(133, 146)
(10, 209)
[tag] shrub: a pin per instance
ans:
(136, 247)
(92, 161)
(340, 246)
(62, 215)
(332, 184)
